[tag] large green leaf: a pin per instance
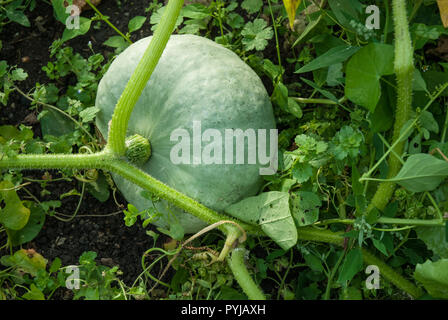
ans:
(32, 228)
(28, 261)
(435, 239)
(434, 277)
(56, 124)
(345, 10)
(422, 172)
(271, 211)
(14, 215)
(364, 71)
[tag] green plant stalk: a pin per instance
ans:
(57, 161)
(320, 101)
(242, 276)
(180, 200)
(390, 274)
(274, 24)
(108, 22)
(141, 75)
(385, 220)
(108, 161)
(312, 234)
(404, 70)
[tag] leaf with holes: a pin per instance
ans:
(271, 211)
(305, 207)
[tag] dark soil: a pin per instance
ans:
(115, 243)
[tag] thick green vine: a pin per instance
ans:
(404, 70)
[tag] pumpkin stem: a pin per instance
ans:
(404, 70)
(138, 149)
(238, 266)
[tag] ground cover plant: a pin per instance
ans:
(356, 209)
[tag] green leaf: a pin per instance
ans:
(34, 294)
(331, 57)
(136, 23)
(383, 118)
(195, 11)
(313, 24)
(84, 26)
(419, 84)
(9, 132)
(435, 239)
(271, 211)
(32, 228)
(351, 266)
(60, 10)
(180, 277)
(256, 35)
(116, 42)
(313, 262)
(88, 258)
(280, 95)
(294, 108)
(335, 76)
(302, 172)
(3, 67)
(14, 215)
(380, 246)
(56, 124)
(228, 293)
(428, 122)
(99, 188)
(88, 114)
(364, 71)
(252, 6)
(434, 277)
(18, 16)
(345, 10)
(421, 172)
(325, 93)
(55, 265)
(27, 261)
(18, 75)
(305, 207)
(351, 293)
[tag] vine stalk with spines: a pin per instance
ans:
(404, 71)
(113, 158)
